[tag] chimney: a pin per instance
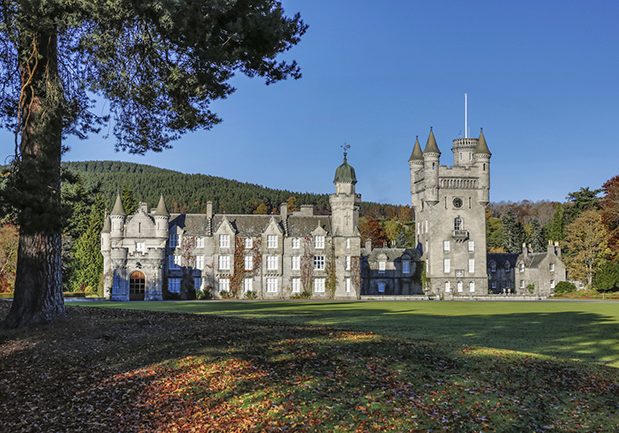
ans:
(551, 248)
(368, 245)
(283, 211)
(209, 209)
(525, 250)
(557, 249)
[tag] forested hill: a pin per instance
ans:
(190, 192)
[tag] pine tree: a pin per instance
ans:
(514, 233)
(129, 201)
(555, 229)
(537, 238)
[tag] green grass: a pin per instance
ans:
(586, 331)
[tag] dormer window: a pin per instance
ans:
(173, 240)
(382, 266)
(521, 267)
(272, 241)
(200, 242)
(249, 243)
(551, 267)
(296, 243)
(224, 241)
(319, 242)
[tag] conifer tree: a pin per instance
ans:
(536, 238)
(513, 232)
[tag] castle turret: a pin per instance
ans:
(344, 203)
(415, 164)
(431, 162)
(162, 216)
(117, 218)
(105, 234)
(482, 162)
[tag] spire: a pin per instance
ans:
(106, 223)
(417, 154)
(431, 146)
(162, 209)
(482, 146)
(118, 206)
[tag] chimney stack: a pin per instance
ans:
(368, 245)
(525, 250)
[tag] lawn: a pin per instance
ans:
(401, 367)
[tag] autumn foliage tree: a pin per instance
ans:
(159, 65)
(610, 214)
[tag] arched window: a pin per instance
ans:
(458, 223)
(137, 284)
(492, 266)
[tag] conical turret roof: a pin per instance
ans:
(118, 207)
(417, 154)
(106, 224)
(482, 146)
(431, 146)
(345, 173)
(162, 209)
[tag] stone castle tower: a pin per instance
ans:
(449, 205)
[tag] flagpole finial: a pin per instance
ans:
(345, 147)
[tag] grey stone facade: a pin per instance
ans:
(538, 273)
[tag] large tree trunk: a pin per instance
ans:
(36, 184)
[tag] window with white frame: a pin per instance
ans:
(459, 286)
(272, 263)
(197, 283)
(224, 284)
(347, 243)
(319, 263)
(472, 286)
(200, 262)
(521, 267)
(471, 266)
(272, 241)
(382, 266)
(471, 246)
(174, 285)
(406, 267)
(319, 242)
(426, 222)
(446, 246)
(140, 247)
(319, 285)
(224, 241)
(272, 285)
(224, 263)
(175, 261)
(551, 267)
(248, 285)
(296, 263)
(381, 287)
(296, 243)
(249, 243)
(200, 242)
(249, 263)
(552, 284)
(522, 284)
(348, 281)
(458, 224)
(173, 240)
(447, 286)
(446, 266)
(296, 285)
(418, 228)
(348, 263)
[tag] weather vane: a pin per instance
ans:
(345, 147)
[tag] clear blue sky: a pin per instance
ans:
(542, 78)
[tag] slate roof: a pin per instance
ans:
(482, 146)
(193, 224)
(345, 173)
(118, 207)
(533, 260)
(431, 146)
(304, 225)
(392, 254)
(501, 258)
(417, 154)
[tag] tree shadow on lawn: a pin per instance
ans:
(138, 371)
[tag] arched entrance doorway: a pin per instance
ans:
(137, 284)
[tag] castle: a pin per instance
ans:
(154, 255)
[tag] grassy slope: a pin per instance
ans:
(118, 370)
(587, 331)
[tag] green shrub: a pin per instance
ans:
(251, 295)
(203, 295)
(531, 288)
(607, 277)
(565, 287)
(226, 295)
(303, 295)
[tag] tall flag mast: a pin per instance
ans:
(466, 116)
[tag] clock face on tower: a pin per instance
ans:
(457, 202)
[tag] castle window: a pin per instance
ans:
(348, 263)
(459, 286)
(173, 240)
(197, 283)
(140, 247)
(551, 267)
(406, 267)
(272, 285)
(224, 263)
(200, 242)
(446, 246)
(348, 285)
(319, 242)
(319, 285)
(492, 266)
(381, 287)
(552, 284)
(494, 284)
(224, 284)
(296, 285)
(249, 263)
(522, 267)
(272, 241)
(471, 246)
(446, 266)
(296, 243)
(382, 266)
(296, 263)
(174, 261)
(458, 223)
(447, 287)
(522, 284)
(248, 284)
(508, 266)
(272, 263)
(471, 266)
(200, 262)
(319, 263)
(472, 287)
(224, 241)
(174, 285)
(249, 243)
(426, 222)
(348, 243)
(484, 165)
